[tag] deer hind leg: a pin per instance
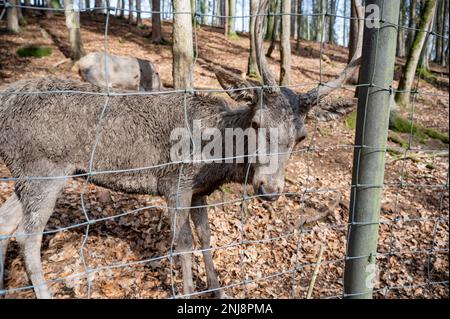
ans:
(200, 218)
(38, 199)
(183, 239)
(10, 217)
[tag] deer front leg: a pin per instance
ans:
(183, 240)
(200, 218)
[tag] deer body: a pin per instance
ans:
(125, 73)
(53, 135)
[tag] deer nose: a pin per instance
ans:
(267, 195)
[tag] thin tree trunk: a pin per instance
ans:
(409, 71)
(357, 10)
(344, 31)
(156, 21)
(183, 53)
(138, 13)
(411, 23)
(270, 20)
(285, 43)
(440, 21)
(231, 21)
(205, 8)
(401, 34)
(332, 22)
(252, 68)
(73, 24)
(293, 19)
(122, 9)
(276, 30)
(13, 17)
(226, 13)
(299, 24)
(98, 7)
(130, 12)
(444, 53)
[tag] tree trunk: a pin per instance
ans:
(252, 68)
(356, 7)
(73, 24)
(121, 11)
(276, 30)
(344, 31)
(231, 21)
(205, 11)
(332, 22)
(299, 24)
(440, 21)
(226, 13)
(98, 7)
(293, 19)
(156, 21)
(401, 34)
(183, 53)
(444, 53)
(270, 20)
(409, 71)
(13, 17)
(320, 26)
(411, 23)
(285, 44)
(130, 12)
(138, 13)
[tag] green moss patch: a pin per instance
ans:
(399, 124)
(350, 120)
(34, 51)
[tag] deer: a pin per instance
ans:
(52, 135)
(126, 73)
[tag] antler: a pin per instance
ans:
(267, 76)
(309, 99)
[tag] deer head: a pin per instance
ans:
(280, 108)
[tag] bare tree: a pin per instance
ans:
(275, 36)
(407, 78)
(411, 23)
(156, 21)
(13, 17)
(252, 67)
(205, 8)
(231, 30)
(138, 13)
(355, 37)
(73, 24)
(183, 51)
(130, 12)
(285, 43)
(440, 29)
(299, 23)
(332, 22)
(98, 7)
(401, 34)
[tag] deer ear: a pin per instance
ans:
(238, 89)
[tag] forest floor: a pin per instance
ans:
(413, 241)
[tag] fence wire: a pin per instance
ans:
(390, 221)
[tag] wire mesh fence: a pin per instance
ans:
(412, 250)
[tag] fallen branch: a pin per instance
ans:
(315, 273)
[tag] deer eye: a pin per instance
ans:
(255, 125)
(301, 138)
